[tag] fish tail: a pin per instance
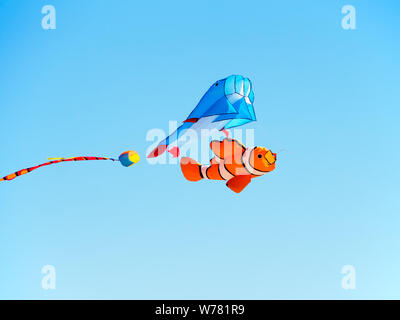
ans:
(191, 169)
(170, 140)
(159, 150)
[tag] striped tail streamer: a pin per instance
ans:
(53, 161)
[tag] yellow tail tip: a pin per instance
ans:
(51, 159)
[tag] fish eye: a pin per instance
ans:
(259, 155)
(216, 84)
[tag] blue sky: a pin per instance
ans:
(113, 70)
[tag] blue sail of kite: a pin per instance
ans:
(227, 104)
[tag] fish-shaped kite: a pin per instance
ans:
(233, 162)
(127, 159)
(227, 104)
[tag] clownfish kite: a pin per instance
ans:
(127, 159)
(227, 104)
(233, 162)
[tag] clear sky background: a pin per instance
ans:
(112, 70)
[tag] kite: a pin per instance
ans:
(127, 159)
(227, 104)
(233, 163)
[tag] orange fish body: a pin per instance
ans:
(233, 162)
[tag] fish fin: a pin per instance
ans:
(214, 160)
(174, 152)
(191, 169)
(238, 183)
(215, 146)
(227, 148)
(226, 132)
(159, 150)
